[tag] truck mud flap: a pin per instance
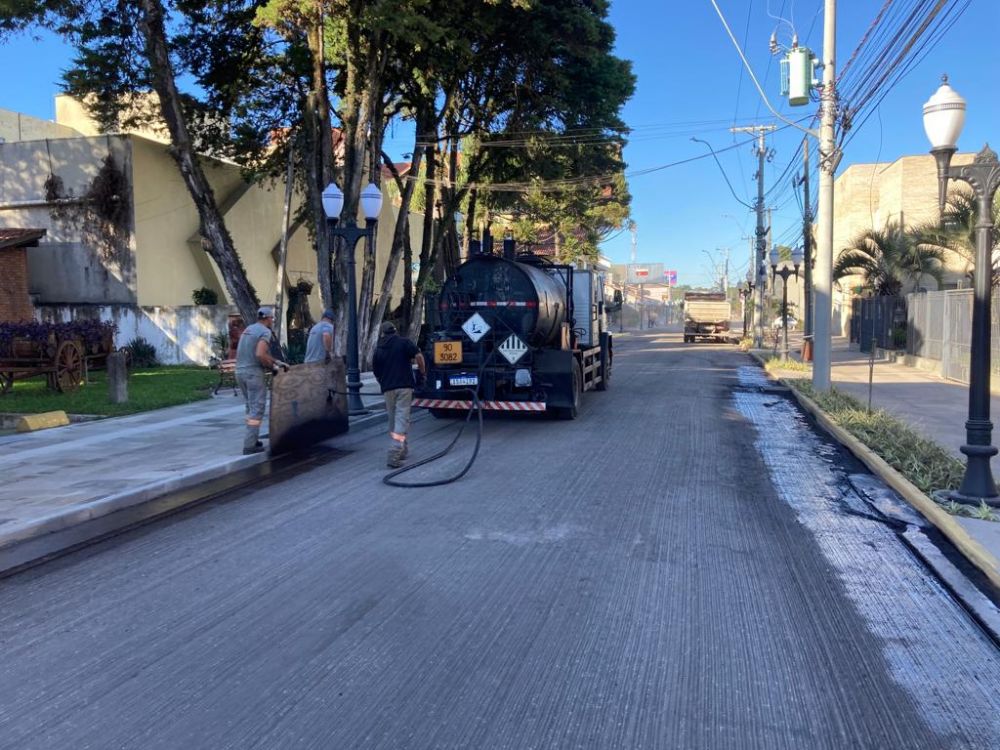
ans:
(553, 372)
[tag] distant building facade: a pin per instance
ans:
(122, 237)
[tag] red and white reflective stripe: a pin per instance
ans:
(441, 403)
(488, 303)
(504, 303)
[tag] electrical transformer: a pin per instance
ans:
(797, 75)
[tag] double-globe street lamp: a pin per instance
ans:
(746, 293)
(944, 116)
(785, 272)
(371, 205)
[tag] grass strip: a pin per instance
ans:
(923, 462)
(777, 364)
(151, 388)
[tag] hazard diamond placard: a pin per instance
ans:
(476, 327)
(513, 349)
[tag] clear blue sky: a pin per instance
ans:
(690, 83)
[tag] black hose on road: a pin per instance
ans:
(390, 478)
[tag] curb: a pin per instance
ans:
(974, 552)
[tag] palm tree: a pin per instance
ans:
(957, 231)
(889, 259)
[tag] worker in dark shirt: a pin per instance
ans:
(392, 365)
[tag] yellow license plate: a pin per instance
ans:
(447, 352)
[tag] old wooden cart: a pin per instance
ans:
(61, 352)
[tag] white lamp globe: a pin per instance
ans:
(371, 201)
(944, 117)
(333, 201)
(775, 256)
(797, 256)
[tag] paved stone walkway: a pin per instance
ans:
(87, 468)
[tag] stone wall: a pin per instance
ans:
(182, 335)
(14, 301)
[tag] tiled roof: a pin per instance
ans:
(10, 237)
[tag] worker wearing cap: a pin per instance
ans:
(319, 345)
(392, 365)
(253, 360)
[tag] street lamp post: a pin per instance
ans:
(785, 272)
(333, 204)
(944, 116)
(746, 293)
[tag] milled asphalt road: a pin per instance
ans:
(647, 576)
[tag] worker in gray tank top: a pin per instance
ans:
(253, 360)
(319, 345)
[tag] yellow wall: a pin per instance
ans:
(70, 112)
(166, 218)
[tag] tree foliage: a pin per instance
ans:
(516, 106)
(890, 259)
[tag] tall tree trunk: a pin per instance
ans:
(470, 219)
(428, 258)
(407, 305)
(451, 255)
(215, 238)
(320, 159)
(362, 96)
(366, 298)
(399, 243)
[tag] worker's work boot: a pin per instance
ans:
(396, 456)
(251, 444)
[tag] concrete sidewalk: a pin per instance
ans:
(934, 407)
(60, 478)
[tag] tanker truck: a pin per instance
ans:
(522, 333)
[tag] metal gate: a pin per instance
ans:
(939, 327)
(875, 318)
(957, 324)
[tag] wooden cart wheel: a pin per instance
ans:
(6, 382)
(69, 366)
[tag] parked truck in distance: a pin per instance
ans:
(706, 316)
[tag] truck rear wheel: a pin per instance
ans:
(571, 412)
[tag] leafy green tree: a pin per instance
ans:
(890, 259)
(124, 49)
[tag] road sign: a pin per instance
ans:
(670, 277)
(513, 349)
(644, 273)
(475, 327)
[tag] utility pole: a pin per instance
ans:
(807, 320)
(634, 230)
(760, 131)
(725, 273)
(823, 279)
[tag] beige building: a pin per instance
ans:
(904, 191)
(122, 239)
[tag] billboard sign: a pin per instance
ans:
(670, 277)
(644, 273)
